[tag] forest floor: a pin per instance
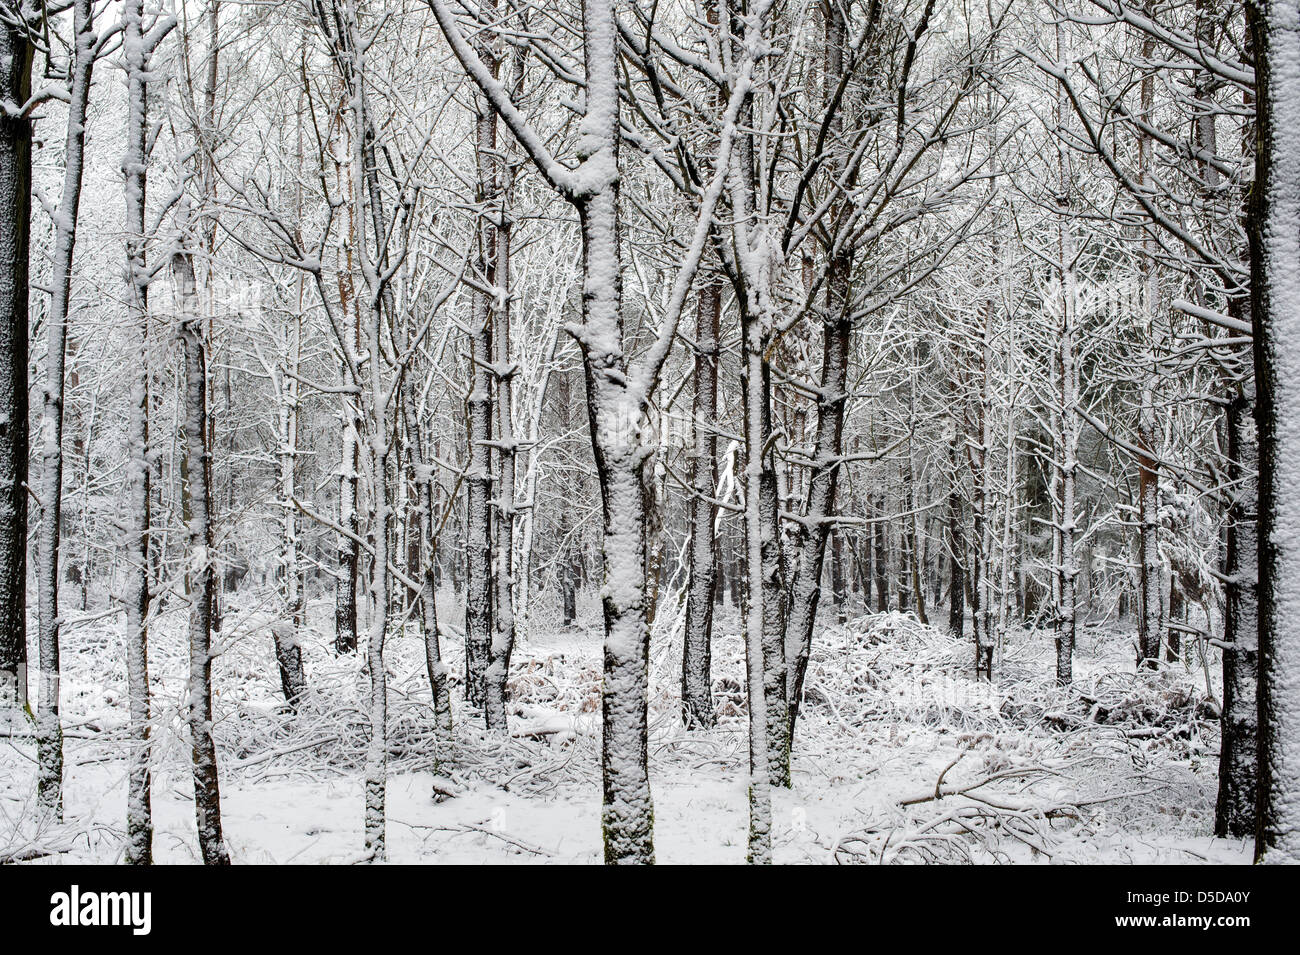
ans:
(1122, 769)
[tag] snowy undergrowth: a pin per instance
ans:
(901, 756)
(1122, 767)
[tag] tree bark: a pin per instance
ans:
(1150, 590)
(956, 543)
(1068, 438)
(139, 817)
(49, 730)
(349, 553)
(1274, 231)
(288, 651)
(915, 559)
(819, 506)
(977, 453)
(478, 474)
(758, 549)
(16, 53)
(503, 369)
(697, 683)
(878, 545)
(436, 669)
(627, 813)
(201, 580)
(1235, 809)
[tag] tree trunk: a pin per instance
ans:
(819, 505)
(956, 544)
(16, 52)
(349, 551)
(916, 561)
(49, 730)
(1150, 590)
(756, 651)
(627, 812)
(1068, 438)
(839, 578)
(977, 453)
(288, 652)
(377, 605)
(478, 473)
(139, 817)
(1235, 810)
(880, 556)
(201, 580)
(1067, 618)
(503, 617)
(1177, 614)
(436, 669)
(697, 683)
(1274, 231)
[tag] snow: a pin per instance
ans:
(890, 707)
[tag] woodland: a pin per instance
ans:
(849, 431)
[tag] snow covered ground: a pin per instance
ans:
(1122, 771)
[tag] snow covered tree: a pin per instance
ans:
(139, 41)
(1275, 308)
(16, 52)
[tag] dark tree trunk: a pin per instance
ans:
(478, 474)
(1177, 614)
(839, 579)
(137, 549)
(436, 669)
(1274, 230)
(201, 580)
(819, 506)
(697, 695)
(1235, 810)
(1149, 576)
(915, 561)
(15, 198)
(956, 551)
(880, 557)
